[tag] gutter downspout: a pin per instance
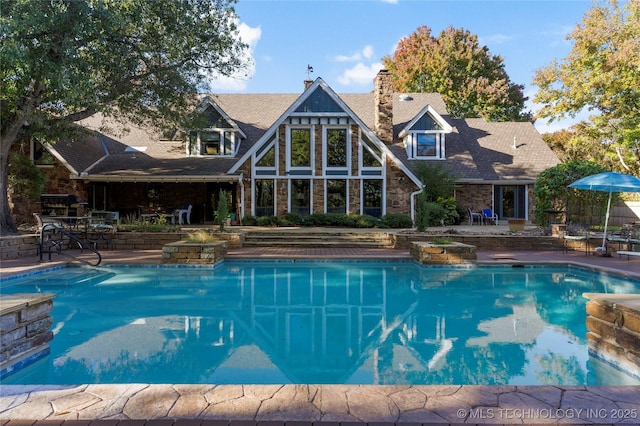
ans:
(413, 203)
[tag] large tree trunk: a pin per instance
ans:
(7, 224)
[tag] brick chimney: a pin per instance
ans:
(383, 99)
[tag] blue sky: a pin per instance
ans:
(344, 40)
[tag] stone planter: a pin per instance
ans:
(194, 253)
(516, 225)
(443, 254)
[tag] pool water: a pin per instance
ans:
(320, 323)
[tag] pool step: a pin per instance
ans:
(308, 238)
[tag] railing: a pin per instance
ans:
(55, 239)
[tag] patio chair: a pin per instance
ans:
(577, 235)
(489, 215)
(473, 217)
(184, 214)
(102, 231)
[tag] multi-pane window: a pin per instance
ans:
(264, 197)
(300, 196)
(300, 148)
(372, 197)
(216, 142)
(336, 196)
(336, 152)
(426, 144)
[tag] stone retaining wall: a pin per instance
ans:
(24, 330)
(613, 326)
(16, 246)
(443, 254)
(487, 242)
(182, 252)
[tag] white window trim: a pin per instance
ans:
(346, 167)
(290, 193)
(312, 161)
(235, 146)
(361, 147)
(255, 159)
(384, 193)
(253, 194)
(326, 192)
(411, 144)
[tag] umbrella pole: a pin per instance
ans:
(606, 221)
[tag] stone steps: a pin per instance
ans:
(302, 238)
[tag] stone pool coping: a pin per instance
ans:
(326, 403)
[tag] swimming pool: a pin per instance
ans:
(321, 323)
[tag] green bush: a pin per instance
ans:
(395, 220)
(249, 220)
(434, 213)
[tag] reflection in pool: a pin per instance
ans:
(320, 323)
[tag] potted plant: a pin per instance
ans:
(516, 224)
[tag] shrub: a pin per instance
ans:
(200, 236)
(395, 220)
(249, 220)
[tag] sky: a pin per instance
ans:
(344, 41)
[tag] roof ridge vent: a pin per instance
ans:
(405, 97)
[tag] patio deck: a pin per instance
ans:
(323, 405)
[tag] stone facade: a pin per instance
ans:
(182, 252)
(428, 253)
(613, 328)
(24, 330)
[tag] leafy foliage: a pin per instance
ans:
(222, 210)
(600, 74)
(62, 61)
(551, 192)
(438, 182)
(25, 178)
(472, 82)
(396, 220)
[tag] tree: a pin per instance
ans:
(551, 191)
(64, 60)
(601, 74)
(472, 82)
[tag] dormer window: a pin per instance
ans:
(220, 136)
(219, 142)
(213, 142)
(424, 136)
(425, 144)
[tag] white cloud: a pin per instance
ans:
(366, 53)
(360, 74)
(238, 82)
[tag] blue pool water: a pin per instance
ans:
(320, 322)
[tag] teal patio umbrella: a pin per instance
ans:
(608, 182)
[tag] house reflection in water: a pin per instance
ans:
(278, 323)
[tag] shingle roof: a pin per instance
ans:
(475, 149)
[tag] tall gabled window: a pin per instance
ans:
(264, 197)
(300, 150)
(266, 159)
(371, 158)
(336, 196)
(337, 152)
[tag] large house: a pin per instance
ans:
(314, 152)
